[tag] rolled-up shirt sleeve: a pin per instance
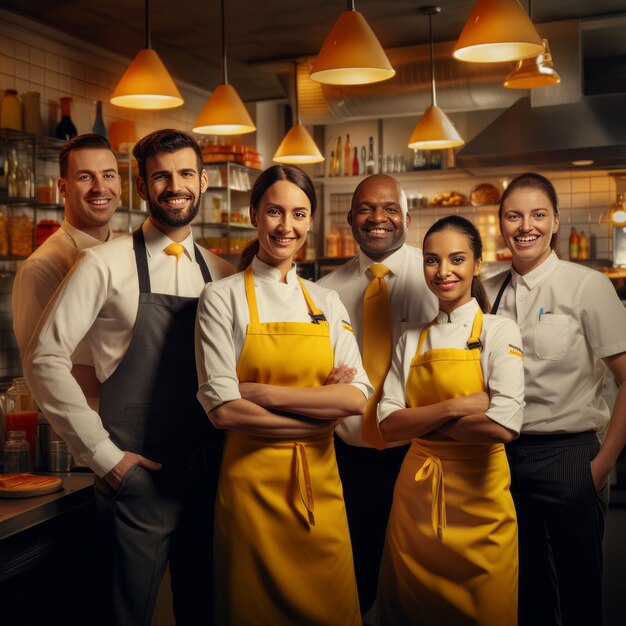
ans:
(394, 388)
(216, 359)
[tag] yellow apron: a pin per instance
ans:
(450, 554)
(282, 545)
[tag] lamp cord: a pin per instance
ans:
(295, 83)
(433, 93)
(147, 24)
(224, 67)
(351, 5)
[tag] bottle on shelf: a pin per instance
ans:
(363, 160)
(419, 159)
(333, 242)
(370, 165)
(98, 125)
(11, 110)
(331, 164)
(31, 112)
(338, 158)
(583, 246)
(347, 157)
(574, 241)
(65, 128)
(348, 244)
(11, 168)
(355, 163)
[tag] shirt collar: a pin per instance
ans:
(465, 313)
(263, 270)
(157, 240)
(80, 238)
(395, 261)
(534, 277)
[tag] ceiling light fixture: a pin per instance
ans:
(297, 147)
(224, 113)
(351, 53)
(497, 31)
(434, 131)
(534, 72)
(615, 214)
(147, 84)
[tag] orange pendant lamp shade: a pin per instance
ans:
(351, 54)
(534, 72)
(298, 147)
(435, 131)
(224, 114)
(497, 31)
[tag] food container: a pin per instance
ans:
(21, 235)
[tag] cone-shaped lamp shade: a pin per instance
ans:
(535, 72)
(435, 131)
(351, 54)
(146, 84)
(496, 31)
(298, 147)
(224, 114)
(615, 214)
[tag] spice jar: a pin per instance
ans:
(21, 235)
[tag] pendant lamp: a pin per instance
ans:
(534, 72)
(146, 84)
(615, 214)
(224, 113)
(351, 53)
(434, 131)
(297, 147)
(497, 31)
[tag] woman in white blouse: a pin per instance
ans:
(456, 389)
(573, 325)
(278, 366)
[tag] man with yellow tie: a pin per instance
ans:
(134, 300)
(381, 288)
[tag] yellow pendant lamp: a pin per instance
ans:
(297, 147)
(351, 53)
(497, 31)
(224, 113)
(534, 72)
(434, 131)
(615, 214)
(147, 84)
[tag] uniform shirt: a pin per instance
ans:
(410, 302)
(38, 278)
(98, 301)
(570, 318)
(224, 316)
(501, 361)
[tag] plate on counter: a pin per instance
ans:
(484, 194)
(28, 485)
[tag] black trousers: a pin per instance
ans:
(368, 477)
(561, 525)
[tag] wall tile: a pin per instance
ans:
(65, 66)
(580, 184)
(52, 79)
(22, 51)
(7, 46)
(37, 74)
(7, 66)
(37, 56)
(52, 61)
(22, 70)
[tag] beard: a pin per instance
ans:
(173, 218)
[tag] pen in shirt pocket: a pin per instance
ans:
(542, 313)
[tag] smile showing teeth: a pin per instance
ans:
(526, 239)
(177, 201)
(283, 239)
(377, 231)
(99, 201)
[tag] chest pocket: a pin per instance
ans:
(551, 337)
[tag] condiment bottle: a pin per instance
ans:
(338, 158)
(574, 241)
(333, 242)
(98, 126)
(347, 157)
(21, 412)
(16, 453)
(355, 163)
(583, 246)
(11, 110)
(65, 128)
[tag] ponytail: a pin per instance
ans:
(247, 255)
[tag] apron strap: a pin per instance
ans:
(496, 304)
(474, 342)
(432, 468)
(304, 481)
(423, 335)
(206, 275)
(141, 259)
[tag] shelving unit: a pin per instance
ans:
(223, 224)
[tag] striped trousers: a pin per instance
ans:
(561, 525)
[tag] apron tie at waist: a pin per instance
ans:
(306, 489)
(432, 467)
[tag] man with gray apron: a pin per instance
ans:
(152, 447)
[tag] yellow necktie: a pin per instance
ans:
(174, 249)
(376, 347)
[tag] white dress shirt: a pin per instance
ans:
(38, 278)
(223, 316)
(410, 303)
(98, 301)
(501, 361)
(570, 318)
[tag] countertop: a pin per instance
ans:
(19, 514)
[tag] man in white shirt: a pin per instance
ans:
(151, 444)
(379, 219)
(90, 186)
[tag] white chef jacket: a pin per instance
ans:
(223, 316)
(99, 301)
(570, 318)
(501, 361)
(38, 278)
(410, 302)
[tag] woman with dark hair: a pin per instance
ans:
(455, 389)
(572, 325)
(278, 366)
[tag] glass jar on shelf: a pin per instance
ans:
(22, 412)
(21, 235)
(17, 453)
(4, 231)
